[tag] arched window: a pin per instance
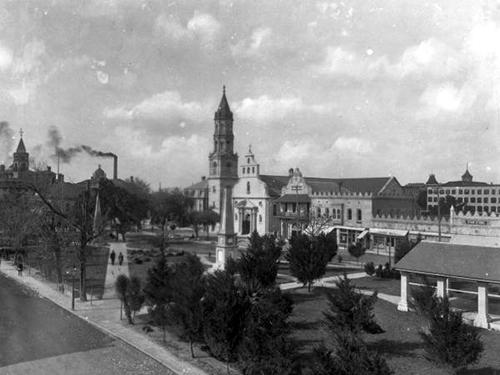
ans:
(248, 170)
(358, 215)
(318, 212)
(260, 218)
(214, 189)
(338, 213)
(243, 170)
(327, 212)
(334, 213)
(248, 187)
(214, 167)
(253, 169)
(349, 214)
(248, 160)
(228, 164)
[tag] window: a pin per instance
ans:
(248, 170)
(214, 189)
(460, 199)
(493, 191)
(334, 213)
(358, 215)
(486, 191)
(327, 212)
(479, 192)
(460, 191)
(243, 170)
(429, 191)
(473, 200)
(473, 191)
(493, 200)
(338, 213)
(248, 160)
(485, 200)
(260, 218)
(466, 200)
(228, 164)
(253, 169)
(318, 212)
(275, 210)
(486, 208)
(466, 191)
(435, 199)
(248, 187)
(441, 191)
(454, 192)
(447, 192)
(349, 214)
(429, 199)
(493, 209)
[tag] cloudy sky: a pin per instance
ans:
(359, 88)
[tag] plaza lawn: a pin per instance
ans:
(401, 343)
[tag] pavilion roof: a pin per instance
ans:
(477, 263)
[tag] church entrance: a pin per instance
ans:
(246, 225)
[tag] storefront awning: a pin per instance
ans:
(348, 228)
(294, 198)
(428, 234)
(389, 232)
(363, 234)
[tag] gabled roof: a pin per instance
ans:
(203, 184)
(432, 180)
(355, 185)
(464, 183)
(274, 183)
(470, 262)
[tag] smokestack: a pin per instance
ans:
(115, 167)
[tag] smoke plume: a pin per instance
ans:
(6, 141)
(65, 155)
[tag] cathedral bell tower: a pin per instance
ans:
(21, 157)
(223, 161)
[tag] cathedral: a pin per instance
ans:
(277, 203)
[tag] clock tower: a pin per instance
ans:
(223, 161)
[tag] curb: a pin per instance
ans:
(191, 370)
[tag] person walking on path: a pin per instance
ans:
(20, 269)
(120, 259)
(112, 257)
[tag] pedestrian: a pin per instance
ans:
(112, 257)
(20, 269)
(120, 259)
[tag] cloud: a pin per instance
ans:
(5, 57)
(138, 154)
(354, 145)
(256, 43)
(268, 109)
(446, 98)
(165, 105)
(171, 27)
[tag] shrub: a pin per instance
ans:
(138, 260)
(449, 339)
(356, 250)
(370, 268)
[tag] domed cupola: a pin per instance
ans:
(98, 174)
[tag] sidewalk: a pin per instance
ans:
(105, 314)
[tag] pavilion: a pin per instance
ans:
(445, 261)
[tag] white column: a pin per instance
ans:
(403, 302)
(482, 319)
(442, 290)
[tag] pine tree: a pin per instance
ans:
(449, 339)
(349, 310)
(158, 292)
(309, 256)
(351, 356)
(224, 314)
(259, 263)
(188, 288)
(265, 348)
(356, 250)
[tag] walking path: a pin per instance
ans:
(105, 313)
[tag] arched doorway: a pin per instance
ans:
(245, 229)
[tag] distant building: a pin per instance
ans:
(479, 196)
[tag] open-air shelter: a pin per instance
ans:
(444, 261)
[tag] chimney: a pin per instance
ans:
(49, 168)
(203, 178)
(290, 172)
(115, 168)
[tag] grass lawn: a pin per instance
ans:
(401, 343)
(386, 286)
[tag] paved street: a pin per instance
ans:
(39, 337)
